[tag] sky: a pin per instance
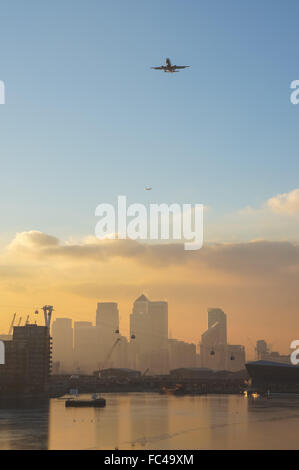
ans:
(86, 120)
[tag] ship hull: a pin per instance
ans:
(273, 377)
(99, 403)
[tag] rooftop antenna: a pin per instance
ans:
(27, 320)
(20, 319)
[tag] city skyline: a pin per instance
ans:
(91, 122)
(86, 347)
(100, 337)
(124, 321)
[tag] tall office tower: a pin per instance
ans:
(159, 320)
(261, 349)
(217, 322)
(140, 326)
(141, 304)
(234, 357)
(118, 355)
(213, 340)
(149, 328)
(264, 352)
(215, 353)
(62, 334)
(107, 316)
(107, 324)
(181, 354)
(27, 362)
(85, 347)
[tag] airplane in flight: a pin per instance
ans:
(170, 68)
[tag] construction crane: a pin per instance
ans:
(109, 354)
(12, 324)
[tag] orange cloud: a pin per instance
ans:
(254, 282)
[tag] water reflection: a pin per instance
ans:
(149, 421)
(153, 421)
(24, 427)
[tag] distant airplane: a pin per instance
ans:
(148, 188)
(170, 68)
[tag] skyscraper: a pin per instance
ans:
(62, 334)
(140, 326)
(264, 353)
(107, 325)
(27, 361)
(107, 316)
(85, 346)
(181, 354)
(261, 349)
(217, 325)
(215, 353)
(149, 328)
(159, 321)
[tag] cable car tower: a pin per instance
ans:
(48, 310)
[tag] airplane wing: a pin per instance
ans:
(182, 66)
(158, 68)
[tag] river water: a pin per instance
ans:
(152, 421)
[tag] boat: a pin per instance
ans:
(95, 402)
(269, 378)
(180, 390)
(98, 403)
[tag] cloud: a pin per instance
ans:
(287, 203)
(41, 245)
(277, 218)
(259, 257)
(32, 240)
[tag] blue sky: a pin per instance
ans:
(87, 120)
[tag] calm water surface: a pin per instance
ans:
(152, 421)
